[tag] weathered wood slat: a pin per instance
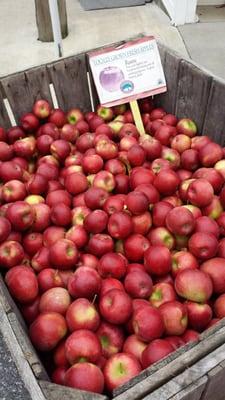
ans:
(215, 387)
(189, 376)
(11, 339)
(171, 63)
(27, 348)
(70, 82)
(18, 94)
(4, 118)
(58, 392)
(193, 87)
(214, 123)
(166, 369)
(38, 83)
(193, 391)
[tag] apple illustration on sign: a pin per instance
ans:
(110, 78)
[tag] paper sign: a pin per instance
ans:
(128, 72)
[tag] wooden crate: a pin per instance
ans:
(196, 370)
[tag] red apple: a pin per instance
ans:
(111, 338)
(70, 133)
(78, 235)
(134, 346)
(76, 377)
(109, 284)
(161, 237)
(194, 285)
(159, 213)
(135, 246)
(190, 336)
(47, 330)
(141, 176)
(214, 209)
(96, 221)
(81, 314)
(199, 315)
(115, 306)
(5, 229)
(219, 306)
(82, 346)
(162, 292)
(29, 122)
(22, 283)
(112, 265)
(210, 154)
(164, 134)
(137, 202)
(128, 129)
(215, 268)
(41, 108)
(49, 278)
(175, 317)
(85, 282)
(190, 159)
(32, 242)
(21, 215)
(95, 197)
(181, 143)
(56, 299)
(100, 244)
(74, 115)
(180, 221)
(157, 260)
(200, 192)
(166, 182)
(104, 180)
(182, 260)
(11, 254)
(203, 245)
(147, 323)
(206, 224)
(9, 171)
(155, 351)
(198, 142)
(6, 151)
(63, 254)
(138, 284)
(40, 260)
(142, 223)
(119, 369)
(187, 127)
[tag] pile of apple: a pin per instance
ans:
(112, 243)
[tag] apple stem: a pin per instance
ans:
(94, 299)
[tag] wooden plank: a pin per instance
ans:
(17, 354)
(58, 392)
(193, 391)
(27, 348)
(44, 23)
(171, 64)
(18, 94)
(4, 118)
(189, 377)
(38, 83)
(176, 363)
(216, 384)
(70, 82)
(193, 87)
(214, 122)
(162, 51)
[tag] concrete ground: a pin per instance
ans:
(21, 49)
(204, 41)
